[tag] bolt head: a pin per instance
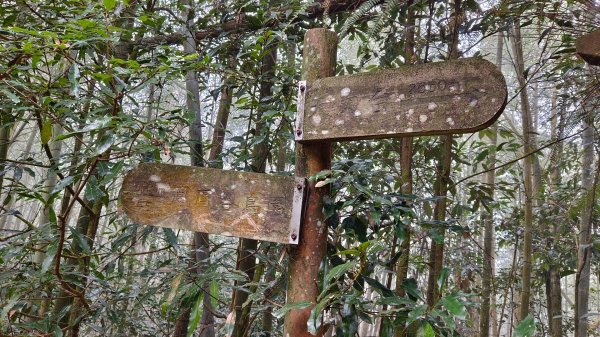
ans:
(299, 186)
(302, 87)
(294, 237)
(298, 132)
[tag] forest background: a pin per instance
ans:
(487, 234)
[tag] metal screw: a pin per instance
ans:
(302, 87)
(298, 132)
(294, 236)
(299, 186)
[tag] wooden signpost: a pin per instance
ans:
(243, 204)
(459, 96)
(588, 47)
(430, 99)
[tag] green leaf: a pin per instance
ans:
(174, 287)
(171, 237)
(214, 294)
(46, 132)
(50, 253)
(410, 286)
(12, 96)
(426, 330)
(105, 143)
(340, 270)
(80, 240)
(109, 4)
(62, 184)
(380, 288)
(417, 313)
(455, 307)
(195, 315)
(291, 306)
(526, 327)
(442, 278)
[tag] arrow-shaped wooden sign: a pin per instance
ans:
(588, 47)
(429, 99)
(242, 204)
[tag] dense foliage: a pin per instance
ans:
(90, 89)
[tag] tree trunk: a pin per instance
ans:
(320, 46)
(200, 241)
(436, 257)
(488, 296)
(218, 137)
(9, 203)
(247, 247)
(553, 293)
(4, 143)
(406, 153)
(584, 249)
(49, 184)
(517, 47)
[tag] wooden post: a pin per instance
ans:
(319, 59)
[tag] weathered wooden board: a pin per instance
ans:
(588, 47)
(436, 98)
(242, 204)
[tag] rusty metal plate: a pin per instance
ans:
(588, 47)
(242, 204)
(430, 99)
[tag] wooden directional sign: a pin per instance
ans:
(243, 204)
(588, 47)
(430, 99)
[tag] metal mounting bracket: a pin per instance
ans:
(297, 210)
(299, 125)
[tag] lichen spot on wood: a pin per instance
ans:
(450, 121)
(409, 129)
(339, 122)
(325, 132)
(473, 102)
(161, 187)
(410, 112)
(423, 118)
(345, 92)
(431, 106)
(357, 113)
(154, 178)
(316, 119)
(329, 99)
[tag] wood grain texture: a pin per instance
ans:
(588, 47)
(242, 204)
(430, 99)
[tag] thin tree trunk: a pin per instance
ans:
(4, 143)
(517, 45)
(488, 296)
(553, 293)
(584, 249)
(10, 200)
(200, 241)
(247, 247)
(436, 257)
(218, 137)
(406, 153)
(50, 183)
